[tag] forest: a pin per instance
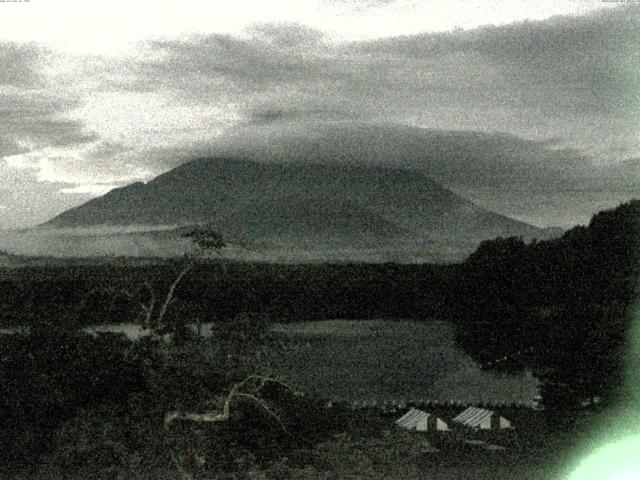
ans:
(561, 307)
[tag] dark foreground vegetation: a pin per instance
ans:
(76, 405)
(99, 407)
(95, 407)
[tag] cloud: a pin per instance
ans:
(361, 3)
(217, 66)
(28, 201)
(90, 189)
(265, 114)
(33, 120)
(563, 92)
(91, 164)
(20, 65)
(528, 79)
(594, 58)
(31, 111)
(144, 120)
(540, 182)
(4, 197)
(573, 77)
(460, 159)
(287, 35)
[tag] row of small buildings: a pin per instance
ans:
(472, 417)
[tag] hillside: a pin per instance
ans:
(7, 260)
(306, 211)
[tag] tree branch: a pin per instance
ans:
(266, 408)
(169, 298)
(226, 409)
(148, 309)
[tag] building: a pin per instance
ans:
(421, 421)
(481, 419)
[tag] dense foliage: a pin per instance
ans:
(560, 307)
(93, 405)
(220, 291)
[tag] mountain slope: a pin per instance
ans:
(305, 209)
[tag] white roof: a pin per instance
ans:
(411, 419)
(473, 416)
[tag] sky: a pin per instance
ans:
(528, 108)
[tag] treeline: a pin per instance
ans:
(85, 295)
(560, 307)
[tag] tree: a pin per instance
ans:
(206, 241)
(559, 307)
(253, 391)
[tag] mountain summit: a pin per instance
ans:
(310, 211)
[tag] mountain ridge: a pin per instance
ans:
(304, 207)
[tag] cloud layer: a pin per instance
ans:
(546, 99)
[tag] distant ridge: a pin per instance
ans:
(308, 211)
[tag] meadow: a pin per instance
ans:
(378, 362)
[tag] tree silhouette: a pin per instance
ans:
(558, 307)
(206, 241)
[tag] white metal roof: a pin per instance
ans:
(473, 416)
(410, 419)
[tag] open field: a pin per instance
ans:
(390, 361)
(380, 361)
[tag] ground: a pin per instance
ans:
(370, 446)
(388, 361)
(363, 375)
(540, 448)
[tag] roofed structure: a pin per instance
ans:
(482, 419)
(421, 421)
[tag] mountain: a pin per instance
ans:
(310, 211)
(539, 181)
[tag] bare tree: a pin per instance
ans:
(206, 241)
(249, 389)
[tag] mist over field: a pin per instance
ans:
(130, 240)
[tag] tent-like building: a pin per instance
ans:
(482, 419)
(421, 421)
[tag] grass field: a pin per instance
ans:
(381, 361)
(389, 361)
